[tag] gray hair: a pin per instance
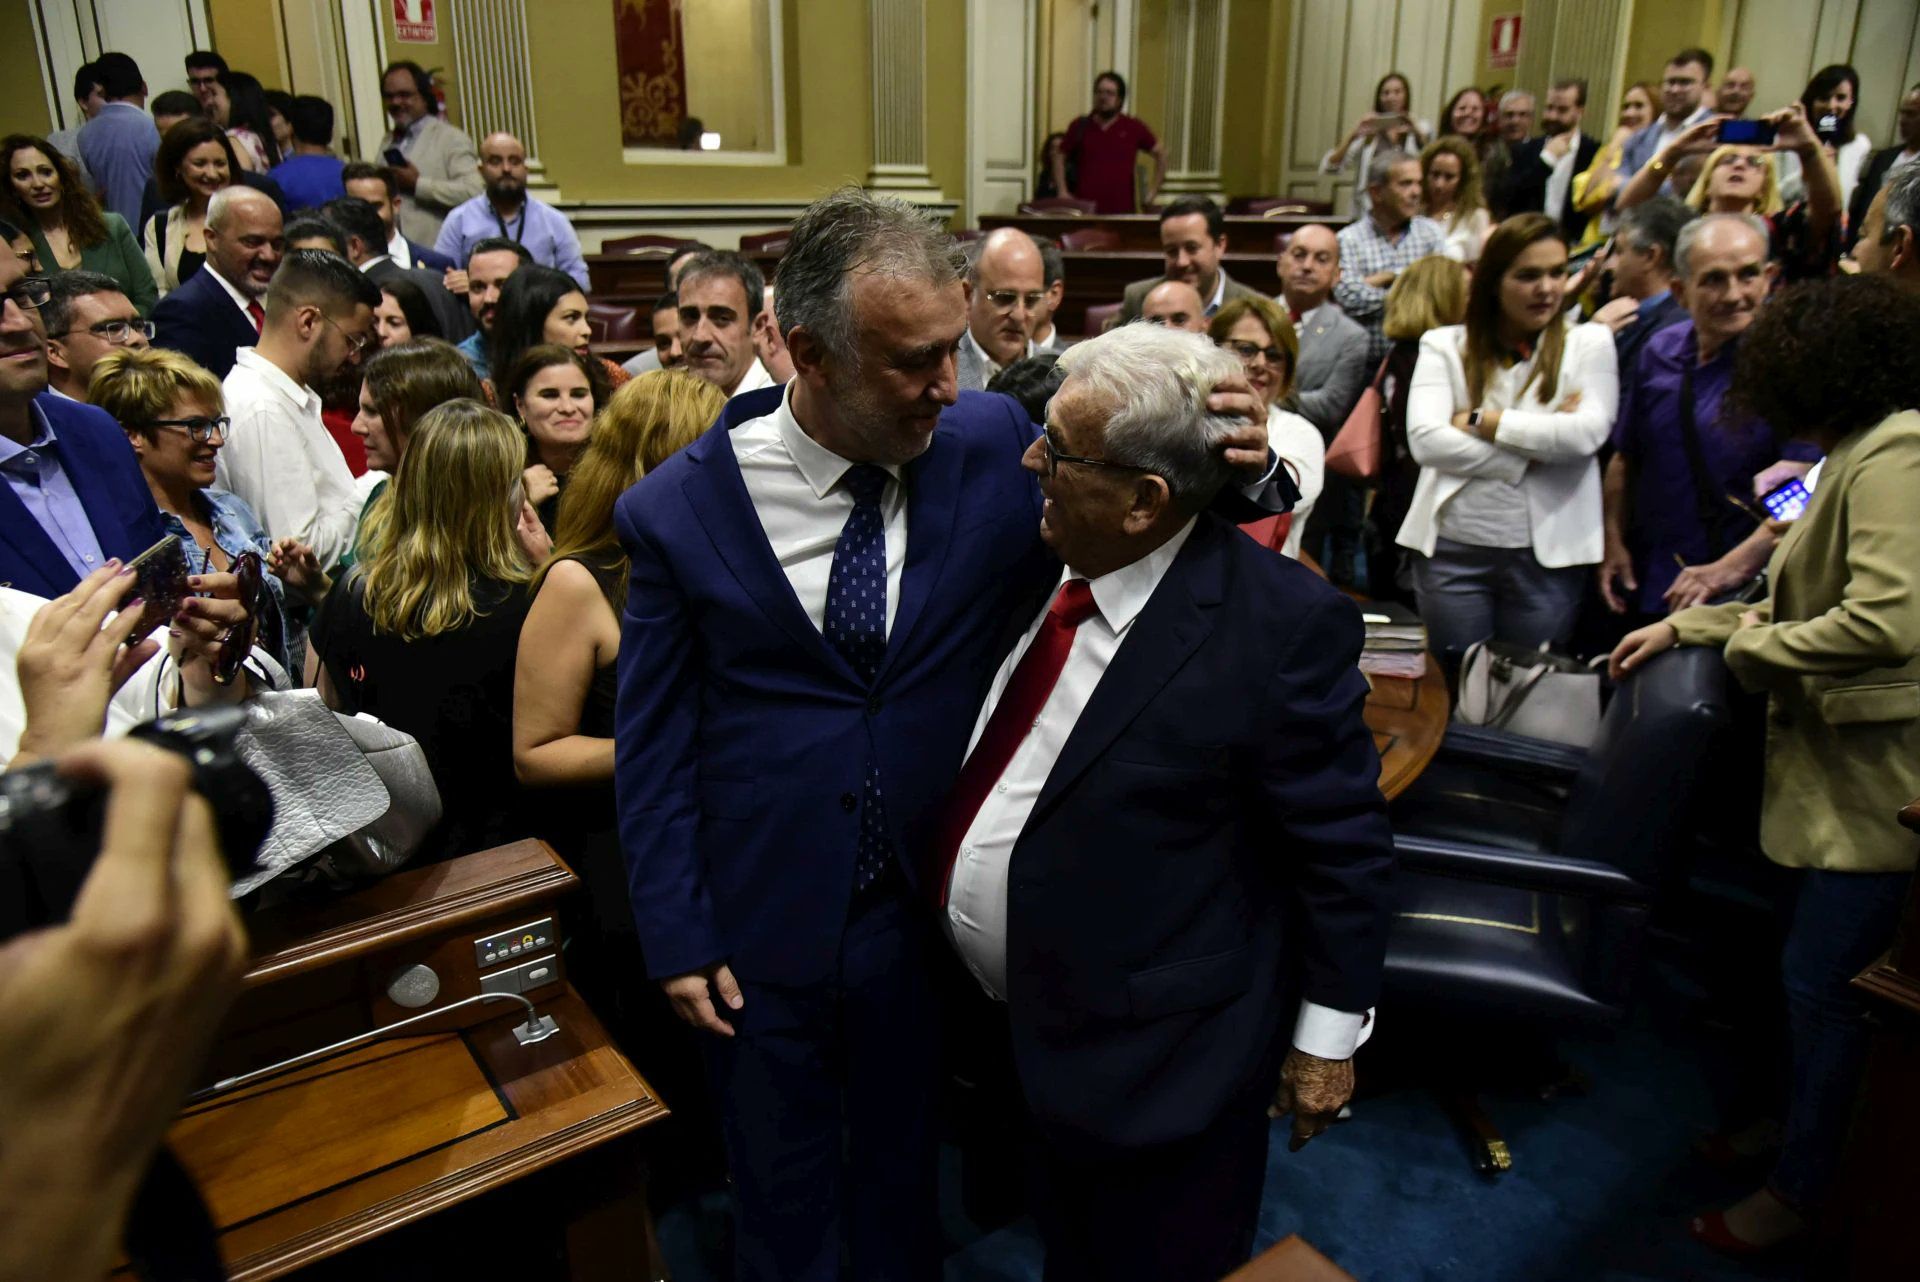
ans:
(1903, 204)
(845, 233)
(1156, 380)
(64, 289)
(1655, 224)
(1519, 96)
(1380, 168)
(1684, 242)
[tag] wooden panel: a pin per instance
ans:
(1000, 133)
(1408, 720)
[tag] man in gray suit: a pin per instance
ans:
(1193, 236)
(1333, 347)
(433, 163)
(1006, 282)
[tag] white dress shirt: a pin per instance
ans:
(398, 249)
(281, 460)
(1298, 444)
(753, 379)
(976, 917)
(794, 484)
(1560, 180)
(240, 300)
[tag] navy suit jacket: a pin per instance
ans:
(1526, 189)
(106, 475)
(200, 320)
(1210, 847)
(743, 738)
(426, 259)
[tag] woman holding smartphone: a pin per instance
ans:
(1836, 648)
(1504, 416)
(1390, 126)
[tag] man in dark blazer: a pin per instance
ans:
(1193, 238)
(1904, 152)
(71, 492)
(1541, 179)
(1167, 852)
(365, 234)
(221, 308)
(1333, 347)
(818, 587)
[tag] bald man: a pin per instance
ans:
(1735, 94)
(218, 311)
(1333, 347)
(503, 208)
(1176, 304)
(1005, 283)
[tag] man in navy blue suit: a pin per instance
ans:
(1166, 857)
(73, 496)
(818, 591)
(222, 307)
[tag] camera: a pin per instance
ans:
(50, 825)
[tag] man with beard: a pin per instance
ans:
(1103, 147)
(1193, 237)
(820, 589)
(489, 264)
(73, 494)
(504, 209)
(433, 163)
(1543, 167)
(1005, 284)
(1682, 88)
(278, 455)
(219, 310)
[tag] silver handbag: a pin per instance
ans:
(1535, 693)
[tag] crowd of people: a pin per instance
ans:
(766, 687)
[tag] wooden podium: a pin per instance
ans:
(306, 1163)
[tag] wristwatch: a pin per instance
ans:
(1473, 421)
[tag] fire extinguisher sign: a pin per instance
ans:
(413, 22)
(1503, 42)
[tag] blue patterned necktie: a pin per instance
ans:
(856, 626)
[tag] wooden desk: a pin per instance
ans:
(1142, 231)
(307, 1163)
(1408, 720)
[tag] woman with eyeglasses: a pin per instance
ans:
(1504, 416)
(68, 228)
(173, 414)
(1259, 333)
(1741, 179)
(422, 632)
(195, 160)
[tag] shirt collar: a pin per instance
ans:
(397, 248)
(1121, 594)
(43, 436)
(753, 379)
(1219, 291)
(820, 466)
(1650, 304)
(375, 261)
(277, 378)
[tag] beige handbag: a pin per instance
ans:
(1535, 693)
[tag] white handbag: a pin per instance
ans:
(1535, 693)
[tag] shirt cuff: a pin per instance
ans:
(1331, 1034)
(1273, 465)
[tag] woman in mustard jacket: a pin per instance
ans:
(1836, 648)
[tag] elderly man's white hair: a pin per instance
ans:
(1151, 381)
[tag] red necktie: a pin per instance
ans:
(1293, 314)
(258, 316)
(1020, 704)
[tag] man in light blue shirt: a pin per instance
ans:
(1681, 90)
(118, 145)
(505, 210)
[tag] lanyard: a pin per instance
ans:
(501, 223)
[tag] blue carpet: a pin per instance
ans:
(1601, 1188)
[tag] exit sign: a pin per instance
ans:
(413, 22)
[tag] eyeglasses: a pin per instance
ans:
(1055, 458)
(360, 343)
(117, 332)
(30, 291)
(1750, 162)
(1248, 351)
(199, 430)
(1004, 299)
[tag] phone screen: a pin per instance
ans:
(160, 580)
(1758, 133)
(395, 156)
(1786, 502)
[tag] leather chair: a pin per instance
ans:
(1529, 871)
(766, 242)
(615, 322)
(643, 243)
(1067, 205)
(1088, 239)
(1102, 317)
(1274, 206)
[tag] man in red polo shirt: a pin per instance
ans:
(1102, 148)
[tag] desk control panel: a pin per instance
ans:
(511, 945)
(524, 978)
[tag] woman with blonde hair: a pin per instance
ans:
(1594, 190)
(563, 693)
(1504, 415)
(1257, 330)
(1450, 182)
(422, 632)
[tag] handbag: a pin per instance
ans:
(1355, 450)
(1535, 693)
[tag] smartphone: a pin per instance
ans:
(1576, 261)
(1827, 128)
(1785, 502)
(160, 579)
(1754, 133)
(396, 157)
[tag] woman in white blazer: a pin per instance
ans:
(1504, 416)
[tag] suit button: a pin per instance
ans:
(873, 706)
(848, 801)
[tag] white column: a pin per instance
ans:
(899, 59)
(496, 77)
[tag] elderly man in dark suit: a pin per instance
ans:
(221, 309)
(1167, 852)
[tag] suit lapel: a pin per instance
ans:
(88, 472)
(718, 496)
(1177, 618)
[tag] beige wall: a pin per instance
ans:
(719, 40)
(251, 37)
(23, 108)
